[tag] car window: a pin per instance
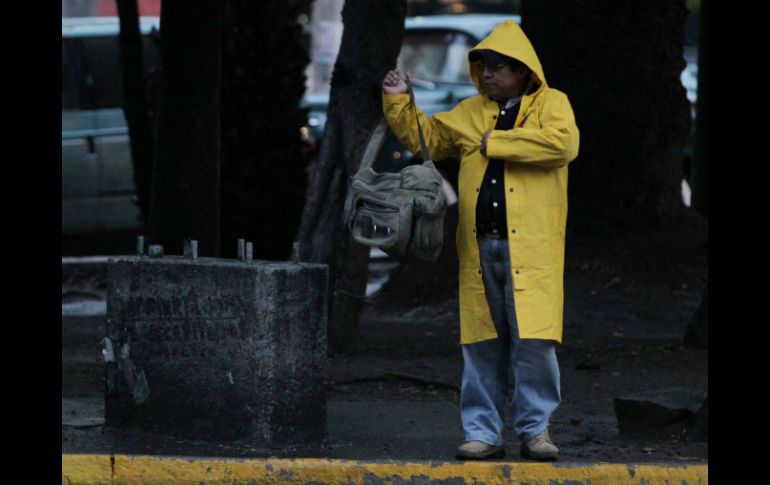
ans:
(69, 94)
(103, 76)
(102, 72)
(436, 55)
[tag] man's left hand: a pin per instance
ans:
(484, 139)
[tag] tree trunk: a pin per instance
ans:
(185, 187)
(697, 331)
(366, 54)
(620, 64)
(696, 335)
(700, 196)
(135, 104)
(263, 163)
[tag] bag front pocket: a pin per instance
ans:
(428, 235)
(375, 224)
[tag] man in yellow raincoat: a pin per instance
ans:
(515, 141)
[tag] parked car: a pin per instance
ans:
(435, 50)
(98, 190)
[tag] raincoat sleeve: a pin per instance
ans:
(553, 145)
(399, 113)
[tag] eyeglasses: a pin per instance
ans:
(492, 66)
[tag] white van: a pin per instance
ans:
(98, 190)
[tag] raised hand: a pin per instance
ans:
(393, 82)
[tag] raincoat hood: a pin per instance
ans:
(509, 40)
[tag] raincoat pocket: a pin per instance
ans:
(520, 279)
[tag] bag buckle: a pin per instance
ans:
(385, 230)
(368, 228)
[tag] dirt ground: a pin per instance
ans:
(627, 301)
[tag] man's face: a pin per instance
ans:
(501, 81)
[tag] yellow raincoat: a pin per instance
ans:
(536, 153)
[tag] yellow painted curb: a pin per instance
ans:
(92, 469)
(152, 470)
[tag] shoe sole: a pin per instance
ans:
(548, 457)
(480, 456)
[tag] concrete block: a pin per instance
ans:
(697, 429)
(656, 413)
(219, 349)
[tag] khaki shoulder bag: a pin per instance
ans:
(400, 213)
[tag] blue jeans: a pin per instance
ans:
(536, 392)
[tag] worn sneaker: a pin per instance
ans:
(540, 447)
(477, 450)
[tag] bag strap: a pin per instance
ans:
(377, 137)
(423, 146)
(374, 144)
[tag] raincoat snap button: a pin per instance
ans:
(479, 271)
(517, 271)
(494, 117)
(513, 230)
(511, 189)
(477, 189)
(474, 231)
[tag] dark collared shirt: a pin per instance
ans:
(490, 207)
